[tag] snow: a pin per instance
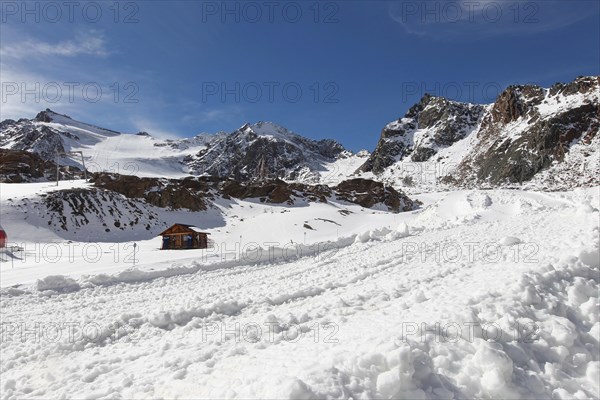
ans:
(478, 294)
(196, 229)
(342, 168)
(232, 226)
(273, 131)
(65, 122)
(128, 154)
(560, 103)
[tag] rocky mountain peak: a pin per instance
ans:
(48, 116)
(515, 102)
(527, 129)
(264, 149)
(428, 126)
(582, 85)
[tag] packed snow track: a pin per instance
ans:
(481, 294)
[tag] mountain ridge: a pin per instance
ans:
(280, 152)
(527, 131)
(529, 134)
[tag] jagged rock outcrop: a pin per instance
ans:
(514, 103)
(264, 149)
(197, 193)
(26, 136)
(368, 193)
(22, 166)
(45, 116)
(189, 193)
(431, 124)
(526, 131)
(529, 129)
(275, 191)
(18, 166)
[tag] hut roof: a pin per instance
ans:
(190, 228)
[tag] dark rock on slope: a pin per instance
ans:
(18, 166)
(441, 122)
(527, 130)
(519, 137)
(197, 193)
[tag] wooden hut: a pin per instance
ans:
(2, 238)
(182, 236)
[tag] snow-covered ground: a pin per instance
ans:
(478, 294)
(237, 228)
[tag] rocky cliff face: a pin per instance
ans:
(18, 166)
(198, 193)
(190, 193)
(430, 125)
(529, 128)
(368, 193)
(526, 131)
(264, 150)
(25, 135)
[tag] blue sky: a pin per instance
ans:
(324, 69)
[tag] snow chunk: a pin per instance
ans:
(497, 368)
(297, 389)
(398, 382)
(509, 241)
(590, 257)
(58, 283)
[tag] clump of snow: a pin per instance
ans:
(57, 283)
(509, 241)
(373, 234)
(590, 257)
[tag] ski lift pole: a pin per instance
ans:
(83, 164)
(134, 249)
(56, 162)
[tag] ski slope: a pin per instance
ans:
(479, 294)
(236, 227)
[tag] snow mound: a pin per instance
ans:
(57, 283)
(509, 241)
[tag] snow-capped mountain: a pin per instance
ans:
(547, 138)
(529, 132)
(265, 150)
(50, 133)
(432, 124)
(261, 150)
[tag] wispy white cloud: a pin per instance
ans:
(90, 43)
(483, 19)
(22, 94)
(38, 74)
(203, 116)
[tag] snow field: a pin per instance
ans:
(472, 297)
(85, 248)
